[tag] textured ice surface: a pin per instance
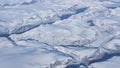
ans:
(59, 34)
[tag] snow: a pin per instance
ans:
(59, 34)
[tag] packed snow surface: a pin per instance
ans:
(59, 33)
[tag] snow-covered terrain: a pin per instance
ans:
(59, 34)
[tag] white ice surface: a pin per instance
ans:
(59, 34)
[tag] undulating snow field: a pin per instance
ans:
(59, 33)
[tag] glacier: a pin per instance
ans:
(59, 34)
